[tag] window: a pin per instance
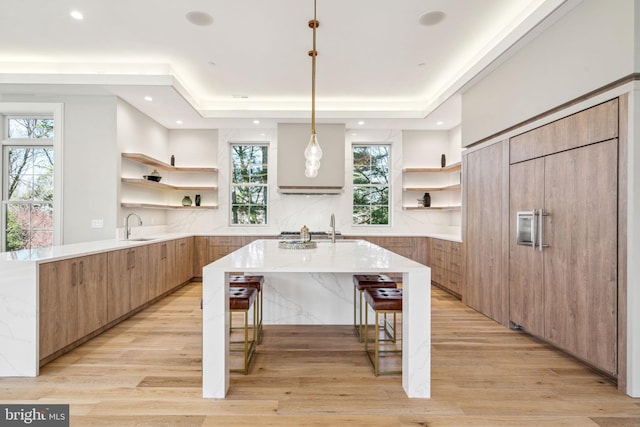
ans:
(249, 167)
(371, 184)
(28, 196)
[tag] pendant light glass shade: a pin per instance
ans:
(312, 154)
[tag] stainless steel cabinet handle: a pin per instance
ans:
(533, 228)
(541, 215)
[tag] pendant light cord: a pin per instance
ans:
(313, 24)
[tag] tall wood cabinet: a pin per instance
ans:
(73, 301)
(563, 286)
(485, 231)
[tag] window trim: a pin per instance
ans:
(36, 110)
(232, 184)
(389, 146)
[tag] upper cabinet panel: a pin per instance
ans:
(596, 124)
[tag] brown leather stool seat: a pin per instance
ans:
(362, 282)
(241, 299)
(382, 301)
(255, 282)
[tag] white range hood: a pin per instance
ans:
(292, 140)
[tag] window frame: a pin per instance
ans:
(54, 111)
(233, 185)
(388, 184)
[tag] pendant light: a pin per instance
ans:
(313, 152)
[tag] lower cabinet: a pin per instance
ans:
(128, 286)
(161, 272)
(409, 247)
(445, 261)
(184, 260)
(210, 248)
(73, 301)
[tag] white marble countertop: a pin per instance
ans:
(61, 252)
(342, 256)
(56, 253)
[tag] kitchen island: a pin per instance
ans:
(321, 282)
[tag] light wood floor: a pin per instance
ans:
(146, 372)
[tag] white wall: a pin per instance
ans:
(588, 48)
(90, 168)
(137, 133)
(291, 212)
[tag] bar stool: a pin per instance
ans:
(362, 282)
(256, 283)
(382, 301)
(240, 301)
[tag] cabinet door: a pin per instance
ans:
(183, 260)
(92, 293)
(486, 192)
(118, 284)
(157, 268)
(580, 265)
(200, 255)
(526, 287)
(58, 305)
(139, 279)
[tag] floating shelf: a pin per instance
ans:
(454, 187)
(173, 207)
(150, 161)
(432, 208)
(161, 186)
(453, 167)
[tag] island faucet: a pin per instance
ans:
(127, 231)
(332, 224)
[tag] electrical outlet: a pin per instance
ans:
(97, 223)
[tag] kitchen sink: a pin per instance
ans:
(142, 239)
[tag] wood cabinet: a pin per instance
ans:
(445, 261)
(162, 268)
(414, 248)
(184, 260)
(210, 248)
(73, 301)
(128, 286)
(486, 230)
(566, 291)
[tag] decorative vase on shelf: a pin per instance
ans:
(443, 161)
(197, 200)
(426, 200)
(173, 160)
(186, 201)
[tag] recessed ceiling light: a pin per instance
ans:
(240, 96)
(256, 122)
(201, 19)
(360, 122)
(148, 98)
(77, 15)
(430, 19)
(178, 122)
(440, 123)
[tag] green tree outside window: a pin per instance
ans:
(371, 184)
(249, 189)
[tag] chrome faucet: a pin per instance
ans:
(127, 231)
(332, 224)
